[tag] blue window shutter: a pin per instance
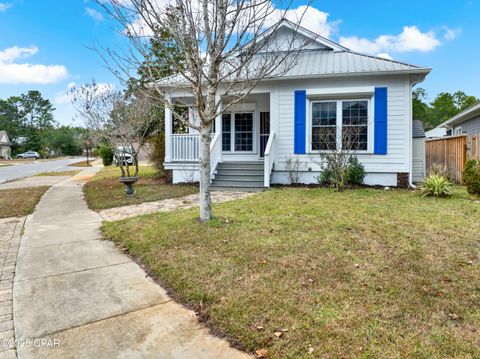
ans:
(300, 117)
(380, 121)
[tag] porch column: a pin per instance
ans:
(218, 120)
(168, 134)
(274, 111)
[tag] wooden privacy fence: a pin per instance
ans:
(451, 153)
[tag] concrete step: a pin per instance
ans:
(237, 189)
(241, 165)
(237, 184)
(241, 172)
(222, 176)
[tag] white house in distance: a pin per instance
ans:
(330, 87)
(5, 149)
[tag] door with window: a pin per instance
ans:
(238, 132)
(264, 131)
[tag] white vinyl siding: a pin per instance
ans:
(397, 158)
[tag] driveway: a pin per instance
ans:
(9, 173)
(83, 298)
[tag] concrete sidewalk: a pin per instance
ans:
(88, 298)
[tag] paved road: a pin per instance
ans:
(9, 173)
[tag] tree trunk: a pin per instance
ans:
(204, 169)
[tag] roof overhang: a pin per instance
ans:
(469, 113)
(417, 76)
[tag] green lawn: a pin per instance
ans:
(19, 202)
(104, 190)
(363, 273)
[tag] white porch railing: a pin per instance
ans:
(215, 153)
(185, 147)
(269, 158)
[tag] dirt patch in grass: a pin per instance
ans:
(82, 164)
(59, 173)
(20, 202)
(104, 190)
(363, 273)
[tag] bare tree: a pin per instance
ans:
(124, 122)
(225, 54)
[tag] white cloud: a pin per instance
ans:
(384, 55)
(410, 39)
(15, 73)
(14, 53)
(451, 34)
(5, 6)
(94, 14)
(308, 17)
(311, 18)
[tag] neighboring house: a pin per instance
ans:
(436, 132)
(418, 151)
(466, 122)
(5, 146)
(328, 90)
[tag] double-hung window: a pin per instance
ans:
(324, 126)
(342, 124)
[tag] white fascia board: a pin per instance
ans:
(357, 91)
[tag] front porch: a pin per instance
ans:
(241, 150)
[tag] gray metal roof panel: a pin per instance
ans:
(417, 129)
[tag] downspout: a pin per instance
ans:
(410, 134)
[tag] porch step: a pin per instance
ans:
(240, 172)
(242, 177)
(239, 175)
(241, 165)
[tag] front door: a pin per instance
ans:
(264, 131)
(238, 132)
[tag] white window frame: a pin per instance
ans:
(458, 130)
(232, 133)
(339, 101)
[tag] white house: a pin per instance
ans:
(5, 146)
(330, 88)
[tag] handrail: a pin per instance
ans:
(269, 159)
(215, 153)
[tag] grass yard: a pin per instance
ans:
(104, 190)
(314, 273)
(58, 173)
(19, 202)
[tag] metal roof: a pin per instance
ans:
(463, 116)
(321, 63)
(336, 60)
(417, 129)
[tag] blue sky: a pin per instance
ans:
(44, 43)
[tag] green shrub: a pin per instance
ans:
(325, 177)
(355, 172)
(156, 153)
(471, 177)
(437, 186)
(106, 152)
(95, 152)
(338, 172)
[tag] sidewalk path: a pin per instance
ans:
(36, 181)
(10, 233)
(167, 205)
(73, 287)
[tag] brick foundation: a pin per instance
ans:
(168, 176)
(402, 180)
